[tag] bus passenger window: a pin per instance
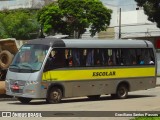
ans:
(56, 59)
(90, 57)
(59, 58)
(76, 57)
(148, 56)
(97, 57)
(66, 57)
(84, 57)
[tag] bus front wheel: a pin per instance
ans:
(24, 100)
(122, 92)
(54, 95)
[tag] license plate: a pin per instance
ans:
(15, 87)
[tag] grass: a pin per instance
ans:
(146, 118)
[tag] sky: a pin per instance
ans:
(124, 4)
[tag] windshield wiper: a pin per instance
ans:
(27, 66)
(15, 66)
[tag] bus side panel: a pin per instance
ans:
(142, 83)
(99, 87)
(83, 82)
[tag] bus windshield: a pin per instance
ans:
(29, 58)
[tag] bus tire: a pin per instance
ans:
(24, 100)
(54, 95)
(5, 59)
(122, 91)
(94, 97)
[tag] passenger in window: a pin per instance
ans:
(83, 57)
(98, 62)
(76, 57)
(134, 62)
(25, 56)
(110, 62)
(49, 64)
(90, 57)
(70, 61)
(141, 61)
(51, 58)
(59, 58)
(99, 57)
(66, 57)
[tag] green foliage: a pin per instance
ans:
(98, 15)
(69, 16)
(146, 118)
(151, 9)
(50, 18)
(20, 24)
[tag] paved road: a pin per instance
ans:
(147, 100)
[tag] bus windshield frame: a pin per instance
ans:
(29, 59)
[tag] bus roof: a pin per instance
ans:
(81, 43)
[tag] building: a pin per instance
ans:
(15, 4)
(130, 23)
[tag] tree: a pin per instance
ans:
(151, 9)
(20, 24)
(74, 16)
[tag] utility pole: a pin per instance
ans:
(119, 23)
